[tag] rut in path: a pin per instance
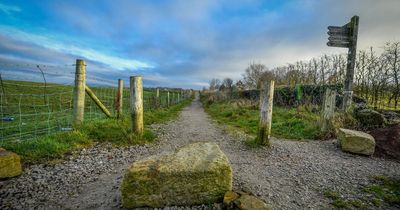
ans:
(290, 175)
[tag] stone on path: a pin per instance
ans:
(229, 197)
(249, 202)
(198, 173)
(10, 164)
(356, 142)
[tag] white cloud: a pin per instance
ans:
(90, 54)
(8, 9)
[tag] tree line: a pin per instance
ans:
(377, 75)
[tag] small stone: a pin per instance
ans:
(10, 164)
(248, 202)
(229, 197)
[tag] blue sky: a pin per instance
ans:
(182, 43)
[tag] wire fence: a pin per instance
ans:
(37, 100)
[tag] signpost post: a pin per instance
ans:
(346, 36)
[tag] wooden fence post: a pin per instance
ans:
(168, 99)
(266, 102)
(3, 91)
(97, 101)
(328, 108)
(179, 97)
(158, 102)
(120, 98)
(79, 92)
(136, 91)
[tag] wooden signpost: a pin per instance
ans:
(346, 36)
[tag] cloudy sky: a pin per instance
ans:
(181, 43)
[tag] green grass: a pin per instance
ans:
(386, 189)
(39, 111)
(287, 123)
(385, 192)
(341, 203)
(35, 146)
(117, 132)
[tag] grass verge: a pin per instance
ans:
(385, 189)
(384, 193)
(288, 123)
(117, 132)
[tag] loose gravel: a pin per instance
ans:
(289, 175)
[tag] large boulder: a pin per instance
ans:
(198, 173)
(370, 118)
(392, 117)
(356, 142)
(387, 141)
(10, 164)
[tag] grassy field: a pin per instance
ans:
(41, 115)
(38, 109)
(288, 123)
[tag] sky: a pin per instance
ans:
(179, 43)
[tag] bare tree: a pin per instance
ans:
(391, 55)
(228, 83)
(252, 75)
(215, 84)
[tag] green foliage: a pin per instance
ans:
(299, 92)
(343, 120)
(332, 194)
(340, 203)
(386, 189)
(287, 123)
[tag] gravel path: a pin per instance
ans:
(290, 175)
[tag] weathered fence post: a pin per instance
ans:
(120, 98)
(266, 102)
(328, 108)
(179, 97)
(168, 99)
(97, 101)
(79, 92)
(3, 91)
(158, 102)
(136, 91)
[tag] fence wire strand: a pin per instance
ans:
(36, 100)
